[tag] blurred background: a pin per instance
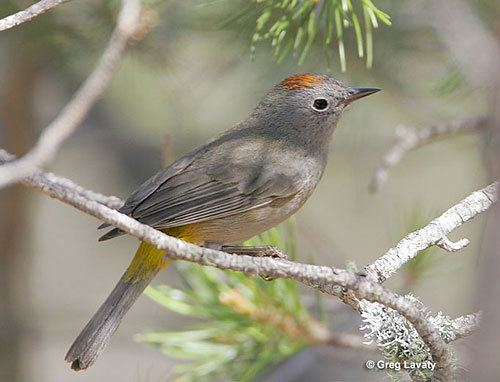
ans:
(190, 78)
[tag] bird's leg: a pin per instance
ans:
(263, 250)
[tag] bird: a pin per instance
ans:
(245, 181)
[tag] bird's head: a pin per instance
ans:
(307, 104)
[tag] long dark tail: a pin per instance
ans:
(96, 335)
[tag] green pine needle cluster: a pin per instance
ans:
(246, 324)
(292, 26)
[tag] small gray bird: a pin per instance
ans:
(249, 179)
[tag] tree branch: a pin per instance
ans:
(434, 233)
(45, 180)
(78, 107)
(466, 325)
(29, 13)
(408, 138)
(324, 278)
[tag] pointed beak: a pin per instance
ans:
(357, 93)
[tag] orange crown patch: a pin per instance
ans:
(301, 81)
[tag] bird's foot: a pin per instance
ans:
(258, 251)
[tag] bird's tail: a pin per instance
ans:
(94, 338)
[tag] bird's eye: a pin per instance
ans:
(320, 104)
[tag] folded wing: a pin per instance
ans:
(193, 194)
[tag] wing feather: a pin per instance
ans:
(194, 190)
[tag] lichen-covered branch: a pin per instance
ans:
(464, 326)
(326, 279)
(399, 340)
(409, 138)
(72, 115)
(28, 13)
(434, 233)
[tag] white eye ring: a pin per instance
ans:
(320, 104)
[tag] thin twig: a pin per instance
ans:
(409, 138)
(71, 116)
(28, 13)
(433, 233)
(44, 179)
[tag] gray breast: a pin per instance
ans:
(240, 227)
